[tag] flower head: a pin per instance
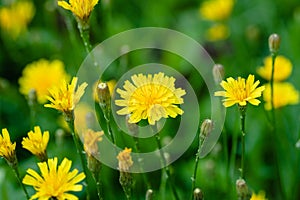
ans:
(36, 142)
(282, 68)
(240, 91)
(7, 148)
(260, 196)
(284, 94)
(64, 98)
(40, 76)
(150, 97)
(217, 32)
(54, 182)
(91, 139)
(216, 10)
(125, 160)
(15, 18)
(81, 9)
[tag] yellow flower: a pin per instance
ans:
(282, 68)
(260, 196)
(40, 76)
(240, 91)
(284, 94)
(125, 160)
(80, 8)
(150, 97)
(217, 32)
(7, 148)
(91, 139)
(36, 142)
(216, 10)
(64, 98)
(15, 18)
(55, 181)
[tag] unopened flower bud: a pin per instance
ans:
(198, 194)
(242, 189)
(104, 99)
(218, 73)
(149, 194)
(274, 43)
(206, 128)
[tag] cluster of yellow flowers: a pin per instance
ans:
(53, 183)
(217, 11)
(284, 92)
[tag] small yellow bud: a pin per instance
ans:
(218, 73)
(198, 194)
(104, 99)
(274, 43)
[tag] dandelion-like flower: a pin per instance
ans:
(150, 97)
(7, 148)
(217, 32)
(216, 10)
(55, 181)
(80, 8)
(282, 68)
(260, 196)
(15, 18)
(40, 76)
(36, 142)
(64, 98)
(284, 94)
(125, 160)
(91, 139)
(240, 91)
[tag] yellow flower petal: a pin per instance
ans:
(150, 97)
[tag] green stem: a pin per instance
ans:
(242, 117)
(79, 148)
(145, 178)
(164, 162)
(201, 140)
(16, 172)
(98, 186)
(84, 30)
(272, 93)
(274, 55)
(110, 133)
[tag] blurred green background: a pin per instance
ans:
(272, 161)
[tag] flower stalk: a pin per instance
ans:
(164, 162)
(70, 120)
(242, 110)
(14, 166)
